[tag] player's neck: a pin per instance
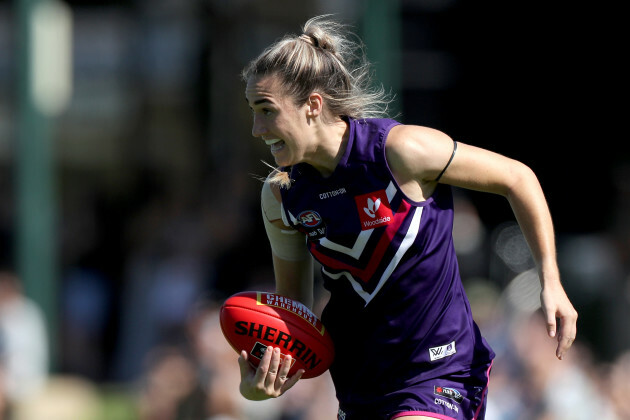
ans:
(333, 139)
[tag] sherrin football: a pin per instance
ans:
(253, 320)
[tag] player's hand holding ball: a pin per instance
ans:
(270, 379)
(279, 341)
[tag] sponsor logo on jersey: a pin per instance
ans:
(333, 193)
(450, 393)
(374, 210)
(440, 352)
(309, 219)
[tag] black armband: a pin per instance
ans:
(449, 161)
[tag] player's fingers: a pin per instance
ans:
(551, 324)
(263, 366)
(292, 380)
(243, 364)
(283, 373)
(274, 366)
(564, 343)
(568, 332)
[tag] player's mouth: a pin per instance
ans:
(276, 144)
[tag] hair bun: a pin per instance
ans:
(318, 41)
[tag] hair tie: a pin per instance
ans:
(310, 39)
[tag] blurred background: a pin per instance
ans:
(129, 199)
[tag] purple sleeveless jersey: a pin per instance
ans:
(397, 313)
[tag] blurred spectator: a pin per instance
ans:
(554, 389)
(64, 397)
(4, 401)
(527, 381)
(618, 385)
(593, 272)
(23, 328)
(85, 305)
(470, 236)
(165, 273)
(170, 389)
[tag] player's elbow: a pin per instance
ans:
(520, 179)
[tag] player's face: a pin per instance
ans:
(277, 120)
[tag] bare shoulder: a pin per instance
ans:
(272, 187)
(271, 200)
(418, 150)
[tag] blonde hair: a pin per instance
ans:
(328, 59)
(324, 59)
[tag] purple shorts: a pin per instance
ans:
(454, 397)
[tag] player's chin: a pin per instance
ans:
(283, 159)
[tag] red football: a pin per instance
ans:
(252, 321)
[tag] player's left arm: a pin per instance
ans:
(421, 153)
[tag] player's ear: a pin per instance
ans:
(315, 104)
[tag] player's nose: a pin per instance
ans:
(258, 127)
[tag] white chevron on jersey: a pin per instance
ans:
(410, 237)
(356, 250)
(284, 216)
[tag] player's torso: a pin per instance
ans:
(389, 264)
(360, 227)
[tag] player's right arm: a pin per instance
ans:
(292, 263)
(294, 279)
(293, 269)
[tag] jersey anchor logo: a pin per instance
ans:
(374, 210)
